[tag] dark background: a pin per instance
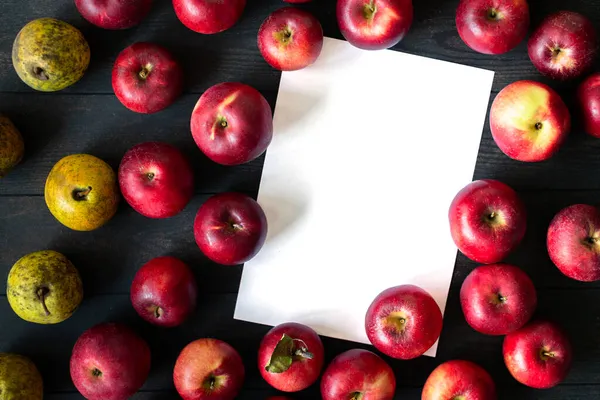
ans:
(88, 118)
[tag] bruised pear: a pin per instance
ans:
(19, 378)
(44, 288)
(11, 146)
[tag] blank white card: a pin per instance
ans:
(370, 148)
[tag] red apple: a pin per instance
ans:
(358, 374)
(459, 379)
(497, 299)
(209, 17)
(529, 121)
(588, 95)
(492, 26)
(374, 24)
(114, 14)
(146, 78)
(109, 362)
(156, 179)
(538, 355)
(403, 322)
(232, 123)
(564, 45)
(164, 291)
(208, 369)
(290, 357)
(290, 39)
(230, 228)
(573, 242)
(487, 220)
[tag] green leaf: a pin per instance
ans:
(282, 356)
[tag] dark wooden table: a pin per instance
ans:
(88, 118)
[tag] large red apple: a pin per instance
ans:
(459, 379)
(573, 242)
(164, 291)
(209, 17)
(109, 362)
(358, 374)
(230, 228)
(588, 96)
(403, 321)
(539, 355)
(492, 26)
(497, 299)
(232, 123)
(146, 78)
(487, 220)
(290, 39)
(290, 357)
(208, 369)
(374, 24)
(564, 45)
(114, 14)
(529, 121)
(156, 179)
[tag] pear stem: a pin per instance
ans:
(41, 295)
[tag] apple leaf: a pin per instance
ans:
(282, 356)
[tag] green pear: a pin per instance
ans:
(19, 378)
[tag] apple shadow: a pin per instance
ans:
(293, 113)
(282, 212)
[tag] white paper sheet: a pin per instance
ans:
(370, 147)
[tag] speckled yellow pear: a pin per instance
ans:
(11, 146)
(19, 378)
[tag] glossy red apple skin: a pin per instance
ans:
(573, 242)
(380, 29)
(230, 228)
(529, 121)
(114, 14)
(209, 17)
(588, 96)
(304, 371)
(539, 355)
(109, 362)
(232, 123)
(156, 179)
(358, 371)
(497, 299)
(164, 291)
(487, 220)
(492, 26)
(290, 39)
(403, 322)
(459, 379)
(146, 78)
(208, 362)
(564, 45)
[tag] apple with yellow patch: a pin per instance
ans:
(232, 123)
(529, 121)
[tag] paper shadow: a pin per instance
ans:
(282, 213)
(294, 113)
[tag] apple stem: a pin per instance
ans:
(547, 354)
(492, 14)
(370, 10)
(538, 125)
(150, 176)
(41, 295)
(356, 396)
(96, 372)
(40, 74)
(145, 72)
(158, 312)
(304, 353)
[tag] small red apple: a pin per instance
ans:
(588, 95)
(164, 291)
(497, 299)
(529, 121)
(156, 179)
(208, 369)
(539, 355)
(290, 357)
(114, 14)
(492, 26)
(146, 78)
(109, 362)
(403, 322)
(290, 39)
(487, 220)
(573, 242)
(230, 228)
(358, 374)
(459, 379)
(564, 45)
(374, 24)
(209, 17)
(232, 123)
